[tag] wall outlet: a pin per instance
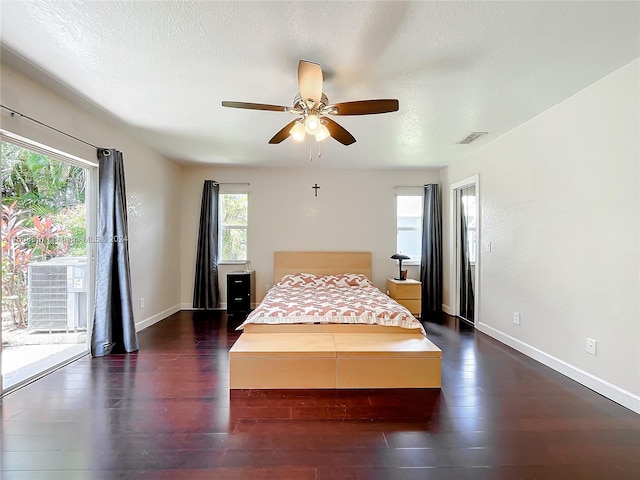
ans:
(516, 318)
(141, 303)
(591, 346)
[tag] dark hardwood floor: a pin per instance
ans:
(167, 413)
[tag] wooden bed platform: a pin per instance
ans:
(331, 356)
(334, 360)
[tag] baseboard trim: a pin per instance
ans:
(612, 392)
(189, 306)
(147, 322)
(446, 309)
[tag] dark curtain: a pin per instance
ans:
(466, 285)
(431, 264)
(113, 323)
(206, 293)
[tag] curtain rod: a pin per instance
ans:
(409, 186)
(231, 183)
(15, 112)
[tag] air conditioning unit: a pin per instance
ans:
(57, 295)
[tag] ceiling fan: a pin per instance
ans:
(313, 109)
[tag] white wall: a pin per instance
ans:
(354, 210)
(560, 205)
(154, 243)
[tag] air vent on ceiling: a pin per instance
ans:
(472, 137)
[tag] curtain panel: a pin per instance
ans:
(431, 264)
(113, 323)
(206, 292)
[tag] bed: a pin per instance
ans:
(324, 325)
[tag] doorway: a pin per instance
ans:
(464, 248)
(48, 219)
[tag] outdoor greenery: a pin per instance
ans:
(234, 213)
(43, 217)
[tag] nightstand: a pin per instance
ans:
(407, 293)
(241, 290)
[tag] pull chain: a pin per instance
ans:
(310, 153)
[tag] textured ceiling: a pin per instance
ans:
(162, 69)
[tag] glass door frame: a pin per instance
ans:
(454, 247)
(91, 217)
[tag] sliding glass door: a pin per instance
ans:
(48, 219)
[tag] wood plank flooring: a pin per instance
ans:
(167, 413)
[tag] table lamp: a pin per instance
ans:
(400, 257)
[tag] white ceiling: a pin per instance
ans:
(162, 69)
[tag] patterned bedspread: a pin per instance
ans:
(348, 298)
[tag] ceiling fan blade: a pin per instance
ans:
(338, 132)
(366, 107)
(310, 80)
(255, 106)
(283, 134)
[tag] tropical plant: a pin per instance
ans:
(42, 218)
(40, 183)
(74, 220)
(21, 246)
(15, 259)
(49, 238)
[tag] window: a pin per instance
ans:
(234, 209)
(409, 225)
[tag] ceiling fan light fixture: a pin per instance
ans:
(312, 124)
(297, 131)
(323, 132)
(312, 106)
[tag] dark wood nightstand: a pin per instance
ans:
(241, 291)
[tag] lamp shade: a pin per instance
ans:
(297, 131)
(400, 257)
(323, 133)
(312, 124)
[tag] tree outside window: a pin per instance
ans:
(234, 209)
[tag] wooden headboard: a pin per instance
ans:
(321, 263)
